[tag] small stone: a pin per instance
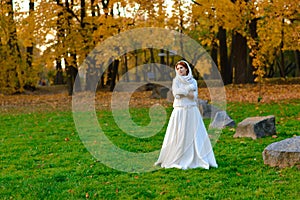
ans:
(222, 120)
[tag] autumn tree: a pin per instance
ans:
(254, 48)
(278, 32)
(11, 75)
(210, 27)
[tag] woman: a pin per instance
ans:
(186, 143)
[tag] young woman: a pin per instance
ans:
(186, 143)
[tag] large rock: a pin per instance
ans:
(207, 110)
(285, 153)
(159, 91)
(170, 97)
(164, 92)
(222, 120)
(256, 127)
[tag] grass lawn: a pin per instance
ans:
(42, 157)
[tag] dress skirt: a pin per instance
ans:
(186, 143)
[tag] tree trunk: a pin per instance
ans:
(162, 62)
(82, 13)
(214, 56)
(15, 82)
(91, 74)
(282, 61)
(225, 68)
(60, 35)
(297, 60)
(105, 6)
(152, 61)
(71, 76)
(29, 50)
(238, 58)
(109, 73)
(93, 8)
(115, 66)
(71, 71)
(137, 78)
(254, 35)
(59, 73)
(126, 68)
(71, 60)
(214, 52)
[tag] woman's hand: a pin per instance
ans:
(190, 95)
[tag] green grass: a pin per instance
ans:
(42, 157)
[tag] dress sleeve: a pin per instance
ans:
(195, 84)
(190, 87)
(177, 90)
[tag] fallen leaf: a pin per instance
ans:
(238, 174)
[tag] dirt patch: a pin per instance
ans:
(55, 98)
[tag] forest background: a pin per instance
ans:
(255, 45)
(248, 40)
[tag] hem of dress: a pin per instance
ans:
(184, 168)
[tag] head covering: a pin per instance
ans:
(188, 79)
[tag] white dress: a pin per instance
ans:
(186, 143)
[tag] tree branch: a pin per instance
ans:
(195, 2)
(70, 11)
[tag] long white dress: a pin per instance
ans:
(186, 143)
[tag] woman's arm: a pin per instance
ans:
(177, 90)
(193, 94)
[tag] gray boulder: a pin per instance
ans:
(170, 97)
(164, 92)
(222, 120)
(159, 91)
(207, 110)
(256, 127)
(285, 153)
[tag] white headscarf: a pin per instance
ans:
(188, 79)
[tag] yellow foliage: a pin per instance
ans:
(277, 22)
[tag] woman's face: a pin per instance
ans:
(181, 70)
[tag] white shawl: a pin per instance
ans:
(187, 82)
(188, 79)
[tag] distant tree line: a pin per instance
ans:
(247, 40)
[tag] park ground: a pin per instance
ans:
(56, 97)
(42, 156)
